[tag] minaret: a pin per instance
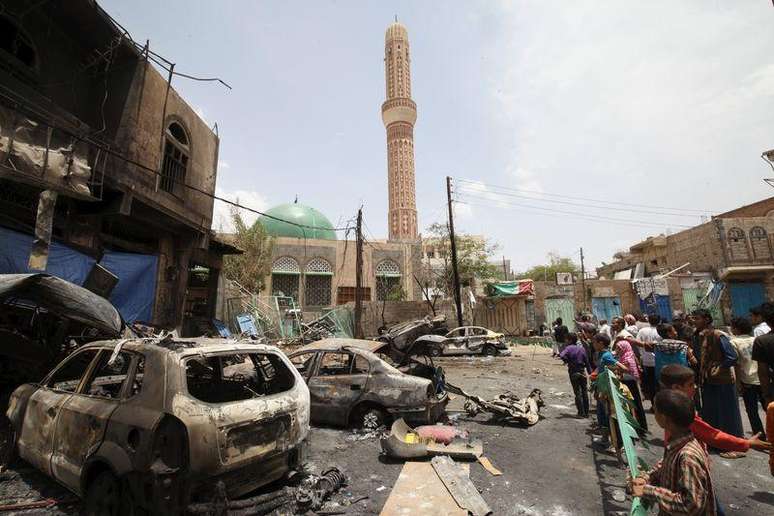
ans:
(399, 113)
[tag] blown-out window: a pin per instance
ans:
(318, 283)
(759, 241)
(176, 157)
(285, 274)
(737, 244)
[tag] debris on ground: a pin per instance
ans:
(457, 481)
(405, 443)
(507, 408)
(309, 495)
(418, 491)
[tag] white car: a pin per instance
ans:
(157, 424)
(464, 340)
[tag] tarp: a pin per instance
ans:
(63, 298)
(134, 294)
(511, 288)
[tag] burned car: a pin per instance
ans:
(156, 424)
(350, 384)
(462, 341)
(402, 336)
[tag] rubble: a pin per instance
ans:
(507, 408)
(405, 442)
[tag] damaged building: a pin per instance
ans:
(103, 162)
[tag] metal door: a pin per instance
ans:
(745, 296)
(606, 307)
(563, 307)
(662, 307)
(333, 388)
(691, 298)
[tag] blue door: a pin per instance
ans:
(606, 307)
(745, 296)
(661, 307)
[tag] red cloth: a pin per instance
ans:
(708, 435)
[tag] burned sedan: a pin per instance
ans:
(463, 340)
(158, 424)
(350, 385)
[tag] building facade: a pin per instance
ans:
(131, 168)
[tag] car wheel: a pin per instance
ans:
(490, 350)
(104, 497)
(7, 442)
(370, 417)
(435, 351)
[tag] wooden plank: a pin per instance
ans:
(459, 485)
(419, 492)
(487, 464)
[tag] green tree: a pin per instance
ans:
(473, 257)
(548, 270)
(250, 268)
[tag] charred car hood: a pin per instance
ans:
(63, 298)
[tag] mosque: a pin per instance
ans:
(315, 266)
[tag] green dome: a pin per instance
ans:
(299, 214)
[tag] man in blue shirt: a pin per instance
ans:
(578, 365)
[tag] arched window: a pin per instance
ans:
(15, 43)
(175, 164)
(737, 244)
(388, 281)
(318, 282)
(759, 241)
(284, 277)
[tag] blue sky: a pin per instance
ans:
(659, 103)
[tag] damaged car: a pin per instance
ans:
(158, 424)
(350, 384)
(464, 340)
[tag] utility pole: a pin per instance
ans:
(455, 271)
(359, 275)
(505, 270)
(583, 278)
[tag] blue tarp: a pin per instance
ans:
(133, 295)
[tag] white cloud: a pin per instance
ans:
(221, 217)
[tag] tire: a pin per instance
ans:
(435, 351)
(489, 351)
(104, 497)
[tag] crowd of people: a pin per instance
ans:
(691, 374)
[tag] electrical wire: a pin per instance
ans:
(464, 189)
(613, 202)
(595, 218)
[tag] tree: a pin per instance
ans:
(250, 268)
(548, 271)
(473, 257)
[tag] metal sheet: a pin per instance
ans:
(459, 485)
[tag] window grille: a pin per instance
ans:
(285, 265)
(175, 164)
(319, 266)
(317, 290)
(284, 285)
(387, 268)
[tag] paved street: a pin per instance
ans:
(551, 468)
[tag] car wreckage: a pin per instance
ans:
(350, 384)
(463, 340)
(159, 424)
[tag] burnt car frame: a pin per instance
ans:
(158, 425)
(462, 341)
(349, 383)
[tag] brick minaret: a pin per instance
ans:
(399, 113)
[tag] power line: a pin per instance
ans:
(626, 204)
(569, 203)
(594, 218)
